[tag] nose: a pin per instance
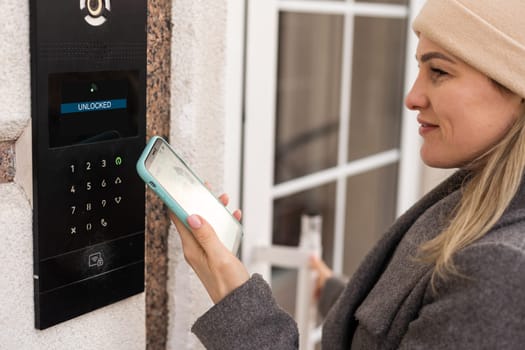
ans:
(417, 98)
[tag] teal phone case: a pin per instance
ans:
(163, 194)
(155, 186)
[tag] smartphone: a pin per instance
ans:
(184, 193)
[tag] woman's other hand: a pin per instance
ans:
(218, 269)
(323, 273)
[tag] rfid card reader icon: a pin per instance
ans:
(96, 260)
(96, 11)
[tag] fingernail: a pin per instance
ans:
(194, 221)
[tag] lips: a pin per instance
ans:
(425, 126)
(424, 123)
(428, 125)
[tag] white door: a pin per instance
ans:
(326, 132)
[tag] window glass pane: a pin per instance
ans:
(284, 288)
(377, 85)
(308, 94)
(288, 212)
(370, 210)
(287, 229)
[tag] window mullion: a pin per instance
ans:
(344, 131)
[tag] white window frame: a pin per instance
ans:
(233, 100)
(260, 99)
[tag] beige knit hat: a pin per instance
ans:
(489, 35)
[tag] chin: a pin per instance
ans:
(440, 165)
(438, 161)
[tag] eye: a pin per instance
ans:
(438, 72)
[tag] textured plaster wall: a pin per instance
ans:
(197, 132)
(15, 90)
(118, 326)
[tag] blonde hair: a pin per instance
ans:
(495, 178)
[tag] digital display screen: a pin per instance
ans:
(86, 107)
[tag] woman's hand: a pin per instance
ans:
(218, 269)
(323, 273)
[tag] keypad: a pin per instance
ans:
(96, 192)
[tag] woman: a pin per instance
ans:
(449, 273)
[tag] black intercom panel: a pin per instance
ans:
(88, 76)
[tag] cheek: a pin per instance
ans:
(478, 121)
(455, 123)
(494, 121)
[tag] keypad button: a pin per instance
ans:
(72, 168)
(73, 189)
(88, 166)
(118, 180)
(73, 230)
(118, 160)
(117, 199)
(103, 183)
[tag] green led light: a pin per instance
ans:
(118, 160)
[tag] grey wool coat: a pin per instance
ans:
(389, 302)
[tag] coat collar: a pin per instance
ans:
(340, 322)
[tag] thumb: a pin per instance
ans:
(204, 234)
(315, 263)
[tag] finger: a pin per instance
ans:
(205, 235)
(237, 214)
(224, 199)
(318, 264)
(188, 241)
(314, 262)
(190, 246)
(178, 223)
(173, 217)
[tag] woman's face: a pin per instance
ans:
(462, 113)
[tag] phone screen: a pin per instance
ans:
(190, 194)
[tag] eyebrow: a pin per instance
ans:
(435, 55)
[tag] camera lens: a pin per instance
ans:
(93, 87)
(94, 7)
